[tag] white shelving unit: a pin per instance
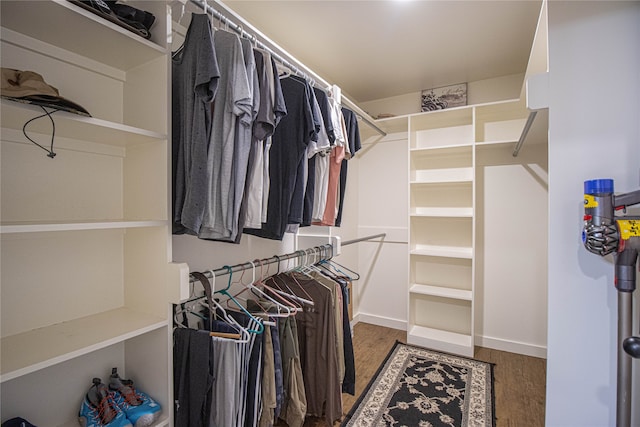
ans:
(85, 237)
(441, 162)
(443, 146)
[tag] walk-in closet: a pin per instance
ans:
(199, 227)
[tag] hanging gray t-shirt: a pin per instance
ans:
(233, 104)
(194, 81)
(244, 140)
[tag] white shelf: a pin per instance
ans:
(63, 24)
(440, 340)
(161, 422)
(69, 125)
(441, 291)
(443, 251)
(453, 148)
(44, 347)
(436, 176)
(443, 212)
(496, 142)
(38, 227)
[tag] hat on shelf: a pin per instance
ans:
(30, 87)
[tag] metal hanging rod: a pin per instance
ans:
(362, 239)
(271, 47)
(525, 131)
(324, 252)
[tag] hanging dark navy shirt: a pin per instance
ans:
(353, 135)
(288, 147)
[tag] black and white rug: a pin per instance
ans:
(417, 387)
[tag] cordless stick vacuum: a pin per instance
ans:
(606, 233)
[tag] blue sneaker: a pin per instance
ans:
(139, 408)
(98, 408)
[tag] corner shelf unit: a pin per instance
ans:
(442, 202)
(85, 236)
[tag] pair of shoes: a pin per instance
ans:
(139, 408)
(118, 405)
(98, 408)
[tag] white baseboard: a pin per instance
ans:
(512, 346)
(387, 322)
(482, 341)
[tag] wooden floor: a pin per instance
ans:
(519, 380)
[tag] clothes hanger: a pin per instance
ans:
(182, 10)
(301, 262)
(284, 289)
(323, 265)
(183, 309)
(186, 37)
(337, 267)
(225, 292)
(213, 17)
(283, 310)
(311, 268)
(287, 298)
(217, 310)
(291, 304)
(283, 72)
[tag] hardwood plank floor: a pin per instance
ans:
(519, 387)
(519, 380)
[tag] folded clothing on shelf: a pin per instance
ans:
(128, 17)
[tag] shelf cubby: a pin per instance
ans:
(501, 122)
(441, 165)
(441, 128)
(444, 313)
(63, 24)
(84, 236)
(442, 199)
(442, 272)
(441, 231)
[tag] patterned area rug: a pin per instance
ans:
(416, 387)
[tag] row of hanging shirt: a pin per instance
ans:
(293, 365)
(253, 151)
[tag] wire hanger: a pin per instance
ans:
(302, 296)
(338, 268)
(240, 306)
(185, 308)
(283, 311)
(288, 302)
(276, 288)
(282, 304)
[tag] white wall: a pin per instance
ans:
(381, 297)
(511, 246)
(478, 92)
(594, 132)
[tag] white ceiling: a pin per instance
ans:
(378, 49)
